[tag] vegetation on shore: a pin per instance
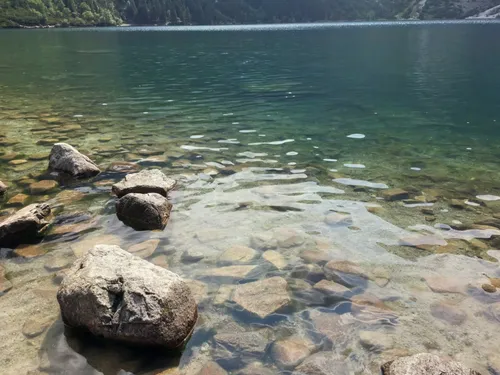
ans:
(17, 13)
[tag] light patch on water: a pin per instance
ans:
(456, 222)
(196, 136)
(333, 170)
(266, 161)
(233, 141)
(78, 116)
(308, 139)
(145, 113)
(315, 147)
(468, 148)
(488, 197)
(473, 204)
(249, 154)
(332, 160)
(228, 114)
(170, 100)
(191, 148)
(292, 153)
(356, 166)
(236, 123)
(292, 163)
(412, 205)
(248, 131)
(354, 182)
(415, 169)
(298, 171)
(262, 135)
(273, 143)
(104, 104)
(227, 162)
(214, 164)
(356, 136)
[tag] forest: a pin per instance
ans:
(17, 13)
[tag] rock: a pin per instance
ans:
(448, 313)
(334, 327)
(119, 296)
(331, 288)
(315, 256)
(425, 364)
(232, 272)
(489, 288)
(18, 162)
(123, 167)
(457, 203)
(341, 271)
(9, 156)
(264, 297)
(3, 188)
(375, 341)
(256, 368)
(264, 241)
(212, 368)
(144, 249)
(18, 200)
(42, 187)
(287, 237)
(441, 284)
(5, 285)
(56, 262)
(29, 251)
(224, 294)
(290, 352)
(146, 181)
(69, 196)
(394, 194)
(338, 219)
(144, 211)
(81, 247)
(238, 254)
(25, 225)
(249, 343)
(323, 363)
(67, 159)
(35, 326)
(275, 258)
(160, 261)
(39, 156)
(192, 255)
(198, 289)
(311, 272)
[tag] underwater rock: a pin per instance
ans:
(323, 363)
(144, 249)
(448, 313)
(238, 254)
(237, 344)
(25, 225)
(425, 364)
(375, 341)
(394, 194)
(292, 351)
(18, 200)
(144, 211)
(331, 288)
(192, 255)
(5, 285)
(42, 187)
(341, 271)
(67, 159)
(119, 296)
(264, 297)
(211, 368)
(146, 181)
(275, 258)
(3, 188)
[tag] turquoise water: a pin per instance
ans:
(267, 127)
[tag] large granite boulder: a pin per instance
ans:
(146, 181)
(3, 188)
(119, 296)
(67, 159)
(144, 211)
(25, 225)
(425, 364)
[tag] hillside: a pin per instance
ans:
(16, 13)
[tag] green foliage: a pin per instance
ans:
(207, 12)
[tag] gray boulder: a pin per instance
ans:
(146, 181)
(144, 211)
(3, 188)
(67, 159)
(425, 364)
(119, 296)
(25, 225)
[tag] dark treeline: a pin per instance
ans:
(208, 12)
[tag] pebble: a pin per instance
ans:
(489, 288)
(264, 297)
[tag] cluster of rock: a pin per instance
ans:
(143, 203)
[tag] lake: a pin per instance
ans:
(374, 147)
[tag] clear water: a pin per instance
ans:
(298, 111)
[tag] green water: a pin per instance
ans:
(256, 123)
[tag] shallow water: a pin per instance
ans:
(290, 133)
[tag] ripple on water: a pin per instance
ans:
(197, 136)
(355, 166)
(354, 182)
(273, 143)
(192, 148)
(292, 153)
(488, 197)
(248, 131)
(356, 136)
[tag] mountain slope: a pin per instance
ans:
(15, 13)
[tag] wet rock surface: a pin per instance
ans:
(3, 188)
(144, 211)
(119, 296)
(425, 364)
(67, 159)
(25, 225)
(144, 182)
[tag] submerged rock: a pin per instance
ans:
(264, 297)
(18, 200)
(395, 194)
(290, 352)
(119, 296)
(25, 225)
(3, 188)
(42, 187)
(144, 211)
(67, 159)
(323, 363)
(425, 364)
(147, 181)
